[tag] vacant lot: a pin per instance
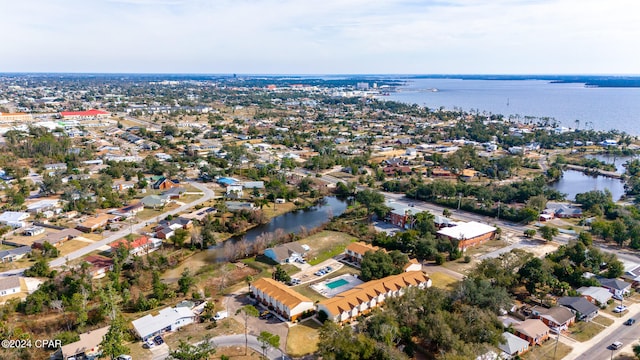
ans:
(71, 246)
(303, 338)
(547, 351)
(583, 331)
(325, 245)
(442, 280)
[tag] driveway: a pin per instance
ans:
(239, 340)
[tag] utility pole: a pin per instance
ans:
(498, 209)
(459, 200)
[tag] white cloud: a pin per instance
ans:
(312, 36)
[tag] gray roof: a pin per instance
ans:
(600, 294)
(579, 304)
(149, 324)
(22, 250)
(9, 282)
(614, 283)
(284, 251)
(513, 344)
(153, 200)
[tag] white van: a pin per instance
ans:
(220, 315)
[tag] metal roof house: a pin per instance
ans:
(168, 319)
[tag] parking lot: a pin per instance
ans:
(309, 274)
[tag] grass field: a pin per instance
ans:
(583, 331)
(604, 321)
(71, 246)
(442, 280)
(547, 351)
(303, 338)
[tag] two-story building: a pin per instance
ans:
(363, 298)
(285, 301)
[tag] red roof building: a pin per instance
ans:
(135, 246)
(89, 114)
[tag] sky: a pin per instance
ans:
(321, 36)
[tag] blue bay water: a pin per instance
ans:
(600, 108)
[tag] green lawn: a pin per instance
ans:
(583, 331)
(604, 321)
(442, 280)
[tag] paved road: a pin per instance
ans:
(239, 340)
(628, 335)
(208, 194)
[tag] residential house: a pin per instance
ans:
(581, 307)
(285, 253)
(468, 174)
(355, 251)
(129, 210)
(14, 254)
(595, 294)
(94, 223)
(9, 285)
(239, 205)
(99, 265)
(532, 330)
(168, 319)
(138, 246)
(88, 347)
(363, 298)
(43, 205)
(56, 239)
(165, 184)
(165, 233)
(154, 201)
(468, 234)
(234, 191)
(557, 317)
(513, 346)
(617, 287)
(563, 210)
(174, 193)
(176, 223)
(441, 173)
(33, 231)
(632, 273)
(285, 301)
(15, 219)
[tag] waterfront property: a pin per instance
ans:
(168, 319)
(286, 253)
(360, 300)
(468, 234)
(332, 287)
(285, 301)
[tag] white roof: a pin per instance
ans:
(13, 216)
(149, 324)
(467, 230)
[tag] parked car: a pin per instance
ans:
(630, 322)
(158, 340)
(220, 315)
(148, 344)
(124, 357)
(619, 309)
(264, 314)
(616, 345)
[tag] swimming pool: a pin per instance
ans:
(337, 283)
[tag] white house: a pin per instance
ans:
(235, 191)
(9, 285)
(168, 319)
(15, 219)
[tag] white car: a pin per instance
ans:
(220, 315)
(619, 309)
